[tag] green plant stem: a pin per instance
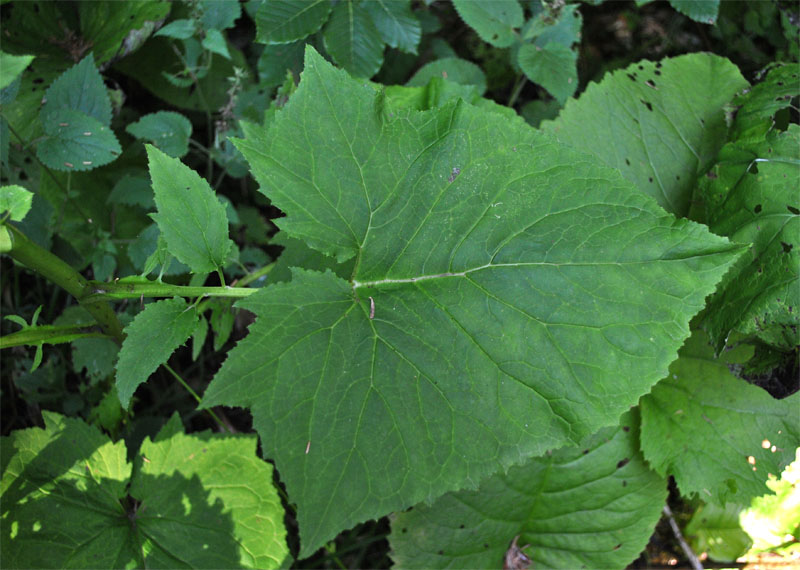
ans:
(518, 85)
(123, 290)
(50, 335)
(195, 396)
(59, 272)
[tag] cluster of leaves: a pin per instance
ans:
(520, 332)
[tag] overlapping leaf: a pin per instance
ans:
(190, 216)
(284, 21)
(717, 435)
(509, 296)
(65, 487)
(167, 130)
(592, 506)
(152, 337)
(661, 123)
(493, 21)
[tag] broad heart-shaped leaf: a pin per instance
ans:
(509, 296)
(64, 487)
(151, 338)
(76, 141)
(758, 182)
(352, 39)
(191, 218)
(660, 124)
(717, 435)
(397, 24)
(716, 531)
(285, 21)
(493, 21)
(592, 506)
(453, 69)
(80, 88)
(167, 130)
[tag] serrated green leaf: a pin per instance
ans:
(199, 336)
(219, 14)
(80, 88)
(493, 21)
(753, 199)
(151, 338)
(276, 59)
(222, 495)
(12, 66)
(147, 246)
(65, 486)
(134, 190)
(167, 130)
(285, 21)
(716, 531)
(397, 24)
(16, 201)
(453, 69)
(665, 119)
(594, 506)
(191, 218)
(76, 141)
(492, 265)
(553, 66)
(297, 254)
(352, 39)
(563, 27)
(717, 435)
(703, 11)
(96, 355)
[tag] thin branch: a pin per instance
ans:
(687, 550)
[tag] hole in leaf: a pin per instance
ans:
(628, 162)
(624, 483)
(757, 209)
(658, 65)
(650, 179)
(626, 428)
(657, 72)
(585, 451)
(622, 463)
(617, 547)
(647, 104)
(461, 526)
(650, 83)
(793, 210)
(753, 168)
(440, 553)
(787, 247)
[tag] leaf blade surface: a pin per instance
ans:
(508, 296)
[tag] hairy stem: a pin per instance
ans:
(62, 274)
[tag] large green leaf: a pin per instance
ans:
(493, 21)
(717, 435)
(509, 296)
(190, 216)
(285, 21)
(352, 39)
(594, 506)
(704, 11)
(15, 201)
(660, 124)
(64, 501)
(151, 338)
(552, 66)
(453, 69)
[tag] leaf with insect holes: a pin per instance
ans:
(504, 268)
(66, 486)
(662, 123)
(76, 142)
(592, 506)
(717, 435)
(150, 340)
(191, 218)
